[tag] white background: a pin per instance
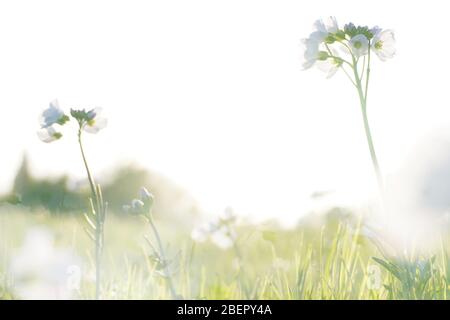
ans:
(211, 94)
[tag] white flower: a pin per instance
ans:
(311, 51)
(52, 115)
(228, 215)
(330, 25)
(222, 239)
(39, 270)
(359, 45)
(95, 121)
(49, 134)
(383, 44)
(200, 234)
(330, 65)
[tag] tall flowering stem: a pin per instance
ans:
(52, 121)
(356, 43)
(362, 93)
(162, 256)
(97, 218)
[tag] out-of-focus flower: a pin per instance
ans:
(142, 205)
(317, 50)
(359, 45)
(221, 239)
(228, 216)
(39, 270)
(49, 134)
(221, 232)
(146, 196)
(90, 121)
(53, 115)
(383, 44)
(49, 118)
(137, 205)
(311, 52)
(200, 234)
(94, 121)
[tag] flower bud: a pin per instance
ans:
(91, 114)
(137, 205)
(322, 55)
(146, 196)
(330, 39)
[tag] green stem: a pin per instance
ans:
(98, 222)
(163, 257)
(368, 74)
(363, 101)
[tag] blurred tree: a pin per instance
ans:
(121, 186)
(51, 194)
(171, 201)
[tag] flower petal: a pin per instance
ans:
(48, 134)
(95, 125)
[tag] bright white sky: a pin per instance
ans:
(211, 93)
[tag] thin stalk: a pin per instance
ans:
(237, 251)
(342, 65)
(368, 74)
(99, 225)
(363, 101)
(163, 256)
(90, 178)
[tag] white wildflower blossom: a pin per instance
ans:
(221, 232)
(40, 270)
(359, 45)
(52, 115)
(316, 49)
(222, 239)
(95, 122)
(354, 42)
(311, 52)
(383, 44)
(330, 65)
(49, 134)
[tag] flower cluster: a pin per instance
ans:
(325, 44)
(53, 118)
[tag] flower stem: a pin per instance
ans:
(363, 101)
(163, 257)
(97, 207)
(91, 180)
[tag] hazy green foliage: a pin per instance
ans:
(56, 196)
(326, 259)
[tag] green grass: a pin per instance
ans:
(325, 261)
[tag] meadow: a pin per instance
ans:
(322, 258)
(97, 238)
